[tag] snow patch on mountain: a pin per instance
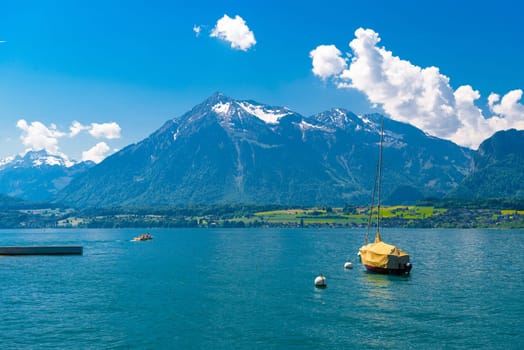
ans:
(221, 108)
(365, 120)
(337, 118)
(369, 125)
(267, 115)
(175, 135)
(340, 118)
(308, 126)
(305, 127)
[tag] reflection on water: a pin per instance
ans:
(383, 296)
(378, 286)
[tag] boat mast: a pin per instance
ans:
(376, 186)
(379, 177)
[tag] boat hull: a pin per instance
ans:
(387, 271)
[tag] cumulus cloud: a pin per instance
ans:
(327, 61)
(234, 31)
(420, 96)
(96, 153)
(508, 106)
(36, 136)
(105, 130)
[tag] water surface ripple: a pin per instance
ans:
(253, 289)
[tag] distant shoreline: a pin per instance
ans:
(402, 216)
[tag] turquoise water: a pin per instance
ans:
(253, 289)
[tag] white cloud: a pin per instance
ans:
(197, 30)
(422, 97)
(508, 106)
(235, 31)
(76, 128)
(509, 113)
(96, 153)
(105, 130)
(327, 61)
(36, 136)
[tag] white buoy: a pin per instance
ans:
(348, 265)
(320, 282)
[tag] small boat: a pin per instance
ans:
(380, 257)
(143, 237)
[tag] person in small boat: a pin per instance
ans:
(144, 237)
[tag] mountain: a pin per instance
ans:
(498, 168)
(7, 203)
(229, 151)
(37, 175)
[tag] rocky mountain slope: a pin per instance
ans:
(498, 168)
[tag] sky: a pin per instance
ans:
(84, 79)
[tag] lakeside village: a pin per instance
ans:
(419, 216)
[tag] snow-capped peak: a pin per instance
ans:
(6, 160)
(36, 159)
(40, 158)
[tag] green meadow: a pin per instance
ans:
(342, 216)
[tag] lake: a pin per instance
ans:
(254, 289)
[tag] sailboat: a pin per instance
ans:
(381, 257)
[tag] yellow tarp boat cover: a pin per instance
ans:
(380, 254)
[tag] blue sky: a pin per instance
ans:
(78, 76)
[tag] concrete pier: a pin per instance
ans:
(41, 250)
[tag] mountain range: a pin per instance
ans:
(38, 175)
(227, 151)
